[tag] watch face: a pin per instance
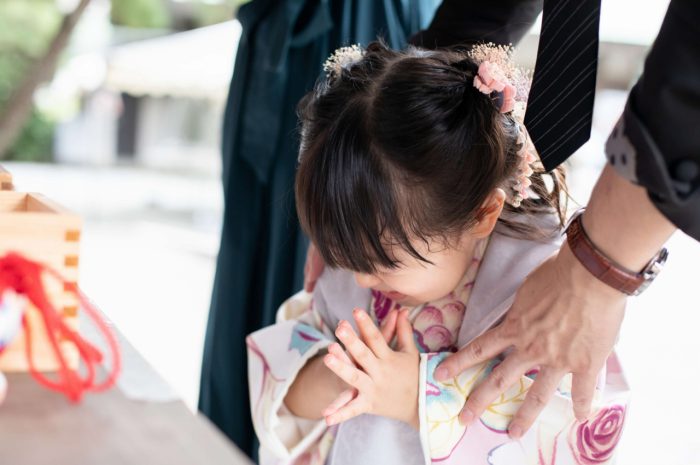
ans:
(652, 270)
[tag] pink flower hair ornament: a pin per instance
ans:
(497, 74)
(521, 181)
(508, 86)
(490, 79)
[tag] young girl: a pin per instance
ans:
(419, 187)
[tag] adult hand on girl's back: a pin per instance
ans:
(384, 381)
(562, 320)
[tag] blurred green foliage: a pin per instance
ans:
(159, 13)
(207, 13)
(141, 13)
(36, 141)
(26, 27)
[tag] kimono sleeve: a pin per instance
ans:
(441, 401)
(276, 354)
(555, 438)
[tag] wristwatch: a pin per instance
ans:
(604, 268)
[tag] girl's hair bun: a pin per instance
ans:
(401, 146)
(342, 58)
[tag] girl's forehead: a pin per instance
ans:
(426, 247)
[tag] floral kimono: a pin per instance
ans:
(305, 325)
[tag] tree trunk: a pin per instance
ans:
(19, 106)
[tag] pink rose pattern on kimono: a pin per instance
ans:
(593, 441)
(436, 324)
(589, 443)
(556, 439)
(435, 328)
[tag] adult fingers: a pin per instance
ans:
(388, 325)
(404, 333)
(582, 390)
(503, 376)
(356, 348)
(350, 374)
(482, 348)
(342, 399)
(370, 334)
(312, 268)
(354, 408)
(536, 399)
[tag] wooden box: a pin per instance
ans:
(5, 180)
(41, 230)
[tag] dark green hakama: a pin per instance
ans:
(262, 252)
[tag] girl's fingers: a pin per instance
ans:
(350, 374)
(338, 351)
(354, 408)
(370, 334)
(342, 399)
(356, 348)
(388, 326)
(404, 333)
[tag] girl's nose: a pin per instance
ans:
(366, 280)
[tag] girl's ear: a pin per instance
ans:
(490, 212)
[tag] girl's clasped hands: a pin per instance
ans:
(381, 381)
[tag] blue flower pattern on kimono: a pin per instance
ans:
(304, 337)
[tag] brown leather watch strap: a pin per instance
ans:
(598, 264)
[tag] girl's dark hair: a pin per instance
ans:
(400, 147)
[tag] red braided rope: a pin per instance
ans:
(23, 276)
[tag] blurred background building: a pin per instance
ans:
(126, 132)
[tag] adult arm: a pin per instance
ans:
(563, 318)
(466, 22)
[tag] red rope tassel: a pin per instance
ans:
(23, 276)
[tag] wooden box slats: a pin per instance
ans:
(44, 231)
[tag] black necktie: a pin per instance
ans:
(560, 105)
